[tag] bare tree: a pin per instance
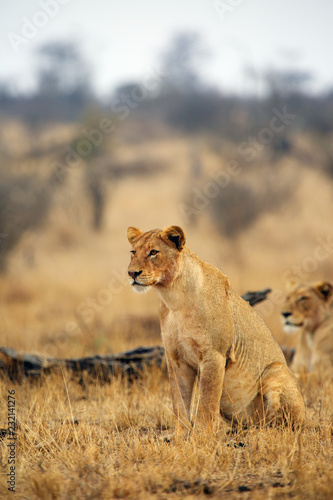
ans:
(62, 70)
(181, 63)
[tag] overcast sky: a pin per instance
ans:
(122, 39)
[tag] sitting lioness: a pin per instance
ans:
(211, 333)
(308, 311)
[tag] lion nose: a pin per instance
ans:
(286, 314)
(134, 274)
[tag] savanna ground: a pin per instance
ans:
(113, 441)
(64, 294)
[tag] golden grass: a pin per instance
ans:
(117, 440)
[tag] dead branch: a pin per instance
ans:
(129, 363)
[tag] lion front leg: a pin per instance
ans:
(212, 371)
(181, 377)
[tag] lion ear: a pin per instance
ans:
(174, 235)
(324, 289)
(132, 234)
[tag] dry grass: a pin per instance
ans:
(117, 441)
(112, 441)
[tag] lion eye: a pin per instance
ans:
(153, 252)
(133, 252)
(303, 303)
(303, 299)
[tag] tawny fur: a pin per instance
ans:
(308, 312)
(211, 333)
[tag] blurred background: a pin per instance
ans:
(213, 115)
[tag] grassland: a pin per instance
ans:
(117, 440)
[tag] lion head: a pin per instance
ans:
(306, 306)
(155, 256)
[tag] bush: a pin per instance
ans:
(24, 202)
(241, 203)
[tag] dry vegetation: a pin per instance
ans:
(115, 440)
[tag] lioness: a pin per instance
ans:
(308, 311)
(211, 332)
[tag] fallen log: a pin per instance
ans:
(129, 363)
(254, 298)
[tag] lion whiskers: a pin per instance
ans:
(290, 329)
(141, 289)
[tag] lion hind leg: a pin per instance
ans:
(282, 400)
